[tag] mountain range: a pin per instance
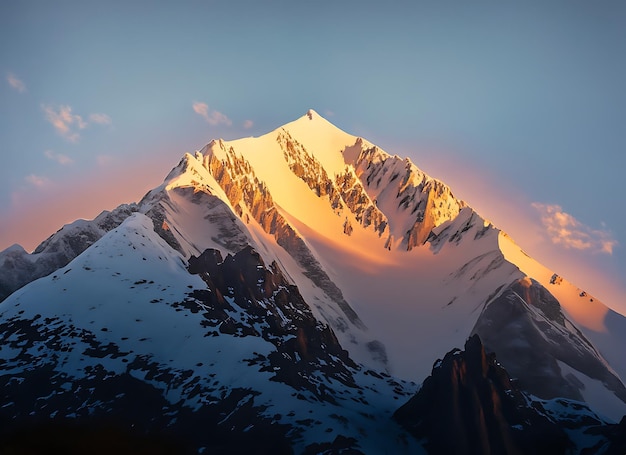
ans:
(302, 292)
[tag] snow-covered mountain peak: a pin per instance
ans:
(311, 116)
(306, 264)
(334, 182)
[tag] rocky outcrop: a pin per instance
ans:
(275, 311)
(244, 299)
(359, 203)
(424, 202)
(307, 168)
(469, 405)
(346, 192)
(467, 224)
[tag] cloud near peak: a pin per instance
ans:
(16, 83)
(212, 117)
(563, 229)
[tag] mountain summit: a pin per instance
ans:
(287, 292)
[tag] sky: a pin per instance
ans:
(520, 107)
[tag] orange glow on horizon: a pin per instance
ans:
(38, 213)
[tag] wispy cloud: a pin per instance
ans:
(68, 124)
(58, 157)
(248, 124)
(64, 121)
(100, 119)
(563, 229)
(37, 180)
(16, 83)
(212, 117)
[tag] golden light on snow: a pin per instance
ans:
(588, 313)
(578, 306)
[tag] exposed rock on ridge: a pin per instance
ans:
(276, 311)
(345, 193)
(469, 405)
(398, 185)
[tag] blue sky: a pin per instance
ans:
(520, 108)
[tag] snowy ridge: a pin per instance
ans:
(19, 267)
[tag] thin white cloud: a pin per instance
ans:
(64, 121)
(16, 83)
(68, 124)
(58, 157)
(563, 229)
(100, 119)
(248, 124)
(37, 180)
(212, 117)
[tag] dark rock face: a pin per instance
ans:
(617, 436)
(469, 405)
(274, 310)
(527, 311)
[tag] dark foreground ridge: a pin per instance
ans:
(470, 405)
